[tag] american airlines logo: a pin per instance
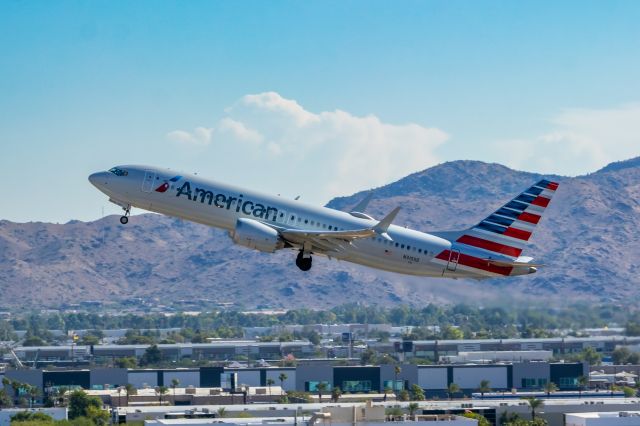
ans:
(165, 185)
(226, 201)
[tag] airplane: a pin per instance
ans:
(491, 248)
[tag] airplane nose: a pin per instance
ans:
(99, 179)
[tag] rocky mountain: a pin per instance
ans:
(588, 241)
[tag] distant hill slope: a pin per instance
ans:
(588, 240)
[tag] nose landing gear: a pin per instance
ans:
(125, 219)
(304, 260)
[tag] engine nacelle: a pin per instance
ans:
(253, 234)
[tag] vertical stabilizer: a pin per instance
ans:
(507, 230)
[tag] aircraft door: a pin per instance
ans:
(149, 179)
(454, 257)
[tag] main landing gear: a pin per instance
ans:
(125, 219)
(303, 261)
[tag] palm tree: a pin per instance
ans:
(282, 377)
(33, 392)
(120, 389)
(452, 389)
(483, 388)
(174, 385)
(583, 382)
(336, 393)
(130, 390)
(270, 382)
(161, 390)
(396, 370)
(412, 407)
(322, 386)
(550, 387)
(534, 403)
(222, 412)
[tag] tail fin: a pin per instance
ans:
(509, 228)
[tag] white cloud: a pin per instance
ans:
(580, 141)
(238, 130)
(200, 136)
(320, 155)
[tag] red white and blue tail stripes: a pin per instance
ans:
(509, 228)
(505, 232)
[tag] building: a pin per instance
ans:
(433, 379)
(621, 418)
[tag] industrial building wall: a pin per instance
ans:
(313, 373)
(433, 377)
(185, 378)
(140, 379)
(408, 374)
(249, 377)
(32, 377)
(470, 377)
(99, 377)
(530, 374)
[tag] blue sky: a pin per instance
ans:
(316, 98)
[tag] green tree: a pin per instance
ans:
(151, 356)
(282, 377)
(5, 399)
(222, 412)
(482, 421)
(417, 393)
(83, 405)
(484, 388)
(161, 391)
(130, 390)
(126, 362)
(591, 356)
(583, 383)
(629, 392)
(28, 416)
(412, 407)
(33, 392)
(620, 355)
(550, 388)
(396, 372)
(336, 393)
(452, 333)
(452, 389)
(534, 404)
(403, 395)
(322, 386)
(174, 384)
(270, 382)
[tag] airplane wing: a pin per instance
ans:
(337, 240)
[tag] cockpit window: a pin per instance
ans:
(119, 172)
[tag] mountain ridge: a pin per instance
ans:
(588, 239)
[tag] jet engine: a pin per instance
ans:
(253, 234)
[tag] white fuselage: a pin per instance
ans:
(221, 205)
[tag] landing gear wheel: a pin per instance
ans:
(304, 263)
(125, 219)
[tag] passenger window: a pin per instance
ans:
(306, 221)
(402, 246)
(408, 247)
(397, 244)
(329, 227)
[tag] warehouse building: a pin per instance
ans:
(434, 379)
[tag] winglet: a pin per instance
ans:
(383, 225)
(362, 205)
